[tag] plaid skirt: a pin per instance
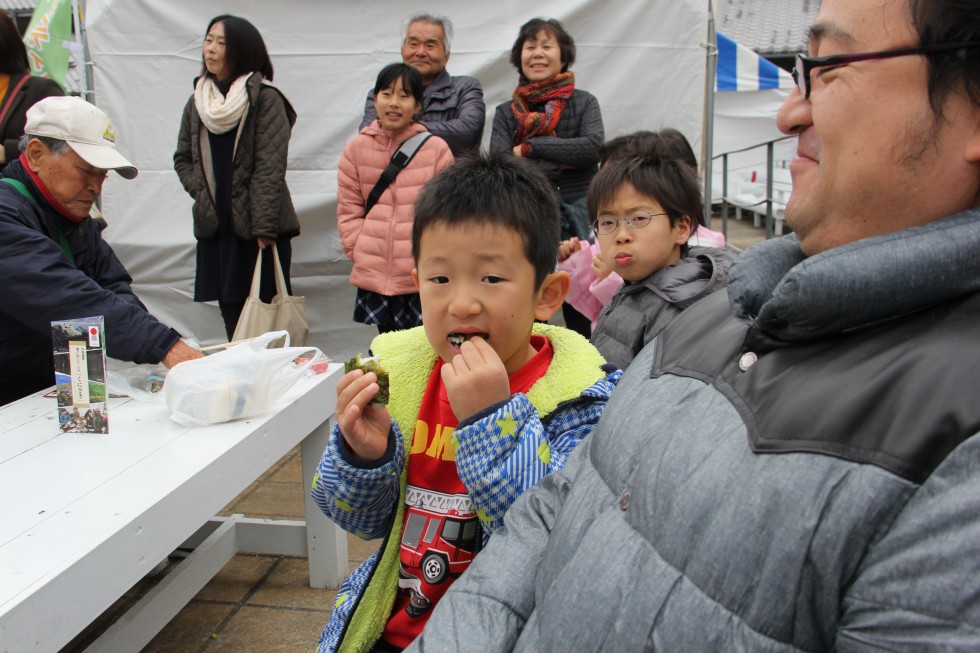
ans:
(392, 312)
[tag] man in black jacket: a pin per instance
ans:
(53, 260)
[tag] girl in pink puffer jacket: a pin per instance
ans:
(379, 241)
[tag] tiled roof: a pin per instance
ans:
(17, 6)
(770, 27)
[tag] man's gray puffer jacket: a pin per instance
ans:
(805, 478)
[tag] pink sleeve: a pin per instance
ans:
(604, 289)
(579, 268)
(350, 204)
(707, 238)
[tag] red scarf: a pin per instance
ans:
(553, 93)
(47, 194)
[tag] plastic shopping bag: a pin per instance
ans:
(241, 381)
(142, 382)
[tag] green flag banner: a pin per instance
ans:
(46, 38)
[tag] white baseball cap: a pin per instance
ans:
(84, 127)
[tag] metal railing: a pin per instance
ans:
(768, 199)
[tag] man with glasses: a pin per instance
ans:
(452, 107)
(792, 464)
(53, 261)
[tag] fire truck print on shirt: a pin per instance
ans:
(440, 538)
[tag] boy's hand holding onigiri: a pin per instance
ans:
(475, 379)
(363, 424)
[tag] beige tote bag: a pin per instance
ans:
(285, 313)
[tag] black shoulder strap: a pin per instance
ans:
(399, 160)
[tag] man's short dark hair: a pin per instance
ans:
(530, 29)
(952, 71)
(671, 182)
(498, 190)
(411, 80)
(245, 50)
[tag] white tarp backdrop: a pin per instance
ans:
(643, 61)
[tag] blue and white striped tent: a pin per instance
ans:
(741, 69)
(741, 122)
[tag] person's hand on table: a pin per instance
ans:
(179, 353)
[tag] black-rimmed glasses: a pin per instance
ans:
(606, 225)
(805, 65)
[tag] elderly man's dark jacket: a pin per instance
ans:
(41, 284)
(452, 108)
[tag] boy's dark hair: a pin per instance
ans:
(411, 80)
(671, 182)
(245, 51)
(530, 29)
(13, 52)
(498, 190)
(627, 146)
(666, 144)
(671, 144)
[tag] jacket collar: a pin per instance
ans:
(389, 138)
(683, 283)
(254, 84)
(409, 358)
(774, 286)
(441, 87)
(17, 169)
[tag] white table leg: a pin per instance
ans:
(326, 542)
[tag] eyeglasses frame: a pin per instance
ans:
(804, 65)
(627, 221)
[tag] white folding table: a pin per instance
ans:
(83, 517)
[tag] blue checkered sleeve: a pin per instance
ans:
(504, 453)
(359, 499)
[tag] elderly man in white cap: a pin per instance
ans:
(53, 260)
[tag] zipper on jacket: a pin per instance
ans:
(381, 553)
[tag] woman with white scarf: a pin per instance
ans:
(231, 158)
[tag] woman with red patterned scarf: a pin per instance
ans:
(553, 125)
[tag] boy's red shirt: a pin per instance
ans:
(440, 519)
